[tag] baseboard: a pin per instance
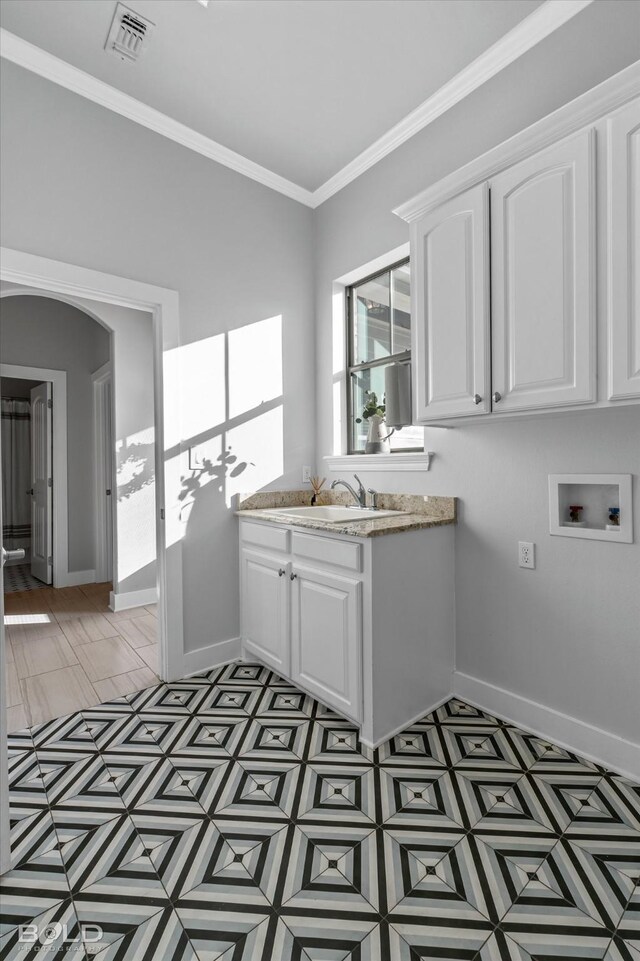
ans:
(213, 655)
(122, 602)
(610, 750)
(75, 578)
(429, 709)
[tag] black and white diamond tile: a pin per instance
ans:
(331, 869)
(231, 817)
(337, 793)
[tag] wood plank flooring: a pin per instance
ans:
(66, 651)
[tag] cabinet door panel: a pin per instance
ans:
(265, 608)
(624, 252)
(326, 638)
(450, 257)
(543, 317)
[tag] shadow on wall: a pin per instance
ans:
(226, 465)
(135, 467)
(232, 402)
(232, 440)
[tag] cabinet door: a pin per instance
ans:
(624, 252)
(265, 608)
(326, 638)
(451, 354)
(542, 308)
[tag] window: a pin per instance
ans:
(379, 334)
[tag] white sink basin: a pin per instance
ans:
(332, 514)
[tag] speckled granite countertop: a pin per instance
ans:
(420, 511)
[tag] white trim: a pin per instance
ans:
(568, 119)
(70, 282)
(129, 599)
(404, 461)
(593, 743)
(525, 35)
(34, 58)
(213, 655)
(60, 517)
(102, 383)
(547, 18)
(407, 724)
(74, 578)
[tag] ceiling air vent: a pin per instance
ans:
(129, 34)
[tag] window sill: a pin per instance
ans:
(407, 461)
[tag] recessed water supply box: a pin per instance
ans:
(593, 506)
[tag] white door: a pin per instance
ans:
(326, 640)
(41, 484)
(542, 306)
(265, 608)
(451, 353)
(623, 130)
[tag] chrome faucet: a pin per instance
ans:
(360, 498)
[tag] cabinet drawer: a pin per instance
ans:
(328, 551)
(265, 535)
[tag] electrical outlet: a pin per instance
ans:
(306, 475)
(527, 554)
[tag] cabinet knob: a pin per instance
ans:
(497, 396)
(281, 572)
(477, 399)
(293, 576)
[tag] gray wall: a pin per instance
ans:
(82, 185)
(566, 634)
(37, 332)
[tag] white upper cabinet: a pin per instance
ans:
(623, 141)
(542, 267)
(450, 257)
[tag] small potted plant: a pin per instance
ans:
(373, 413)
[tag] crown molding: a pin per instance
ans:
(589, 107)
(38, 61)
(543, 21)
(548, 17)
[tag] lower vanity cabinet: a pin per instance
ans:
(265, 607)
(326, 637)
(364, 625)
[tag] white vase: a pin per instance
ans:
(377, 438)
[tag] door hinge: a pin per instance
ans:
(50, 482)
(108, 492)
(50, 404)
(162, 513)
(50, 560)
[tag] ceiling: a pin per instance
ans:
(300, 87)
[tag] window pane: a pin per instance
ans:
(372, 378)
(407, 438)
(401, 280)
(371, 323)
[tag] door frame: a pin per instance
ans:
(101, 378)
(68, 281)
(59, 516)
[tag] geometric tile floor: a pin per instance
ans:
(230, 817)
(18, 577)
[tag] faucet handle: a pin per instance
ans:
(362, 492)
